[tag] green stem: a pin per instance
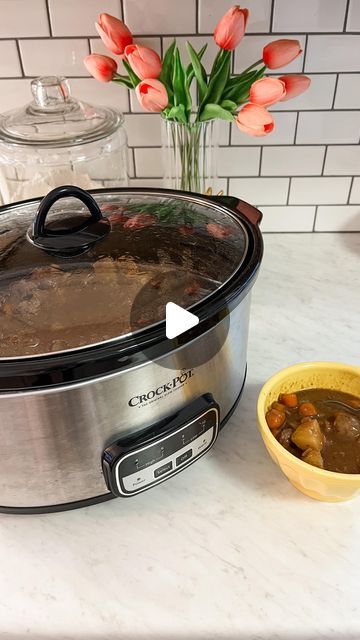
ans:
(252, 66)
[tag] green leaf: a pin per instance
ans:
(177, 113)
(181, 94)
(124, 80)
(189, 69)
(199, 71)
(229, 105)
(167, 66)
(239, 86)
(211, 111)
(219, 80)
(133, 77)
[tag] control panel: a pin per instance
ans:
(135, 464)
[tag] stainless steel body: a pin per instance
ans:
(52, 440)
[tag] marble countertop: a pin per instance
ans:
(228, 549)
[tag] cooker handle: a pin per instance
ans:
(73, 240)
(240, 206)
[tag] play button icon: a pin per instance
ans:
(178, 320)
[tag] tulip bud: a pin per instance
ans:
(114, 33)
(294, 85)
(254, 120)
(101, 67)
(144, 61)
(280, 53)
(231, 28)
(152, 95)
(267, 91)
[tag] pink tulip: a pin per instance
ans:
(144, 61)
(114, 33)
(254, 120)
(294, 85)
(280, 53)
(152, 95)
(231, 28)
(267, 91)
(218, 231)
(140, 220)
(101, 67)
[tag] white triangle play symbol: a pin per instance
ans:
(178, 320)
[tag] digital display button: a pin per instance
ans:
(184, 456)
(161, 470)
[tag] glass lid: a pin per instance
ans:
(87, 269)
(55, 119)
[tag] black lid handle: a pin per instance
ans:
(72, 240)
(252, 214)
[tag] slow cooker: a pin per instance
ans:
(95, 400)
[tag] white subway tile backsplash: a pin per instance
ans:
(333, 53)
(143, 130)
(319, 190)
(338, 218)
(353, 21)
(287, 219)
(145, 182)
(54, 57)
(319, 95)
(153, 17)
(309, 15)
(110, 94)
(348, 91)
(251, 49)
(69, 18)
(292, 161)
(14, 93)
(283, 132)
(328, 127)
(210, 12)
(355, 192)
(238, 161)
(343, 160)
(9, 59)
(260, 191)
(23, 18)
(148, 163)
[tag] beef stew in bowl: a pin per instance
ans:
(313, 427)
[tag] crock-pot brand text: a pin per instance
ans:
(163, 389)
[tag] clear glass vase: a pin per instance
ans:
(190, 154)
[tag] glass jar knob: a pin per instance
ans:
(50, 92)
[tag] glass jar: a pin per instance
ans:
(57, 140)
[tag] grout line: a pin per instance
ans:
(260, 160)
(350, 189)
(161, 48)
(346, 16)
(296, 128)
(197, 16)
(205, 35)
(20, 60)
(49, 17)
(122, 10)
(324, 160)
(305, 53)
(134, 163)
(288, 192)
(315, 216)
(335, 90)
(228, 186)
(89, 46)
(271, 24)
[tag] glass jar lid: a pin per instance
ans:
(55, 119)
(86, 271)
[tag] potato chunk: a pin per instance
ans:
(308, 436)
(313, 457)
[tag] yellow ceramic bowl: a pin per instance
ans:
(316, 483)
